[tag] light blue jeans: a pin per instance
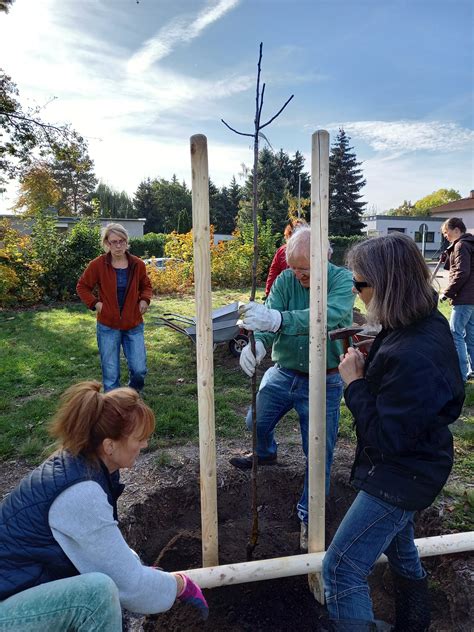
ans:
(282, 390)
(109, 341)
(370, 527)
(85, 603)
(462, 328)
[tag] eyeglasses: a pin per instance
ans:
(302, 271)
(359, 285)
(117, 242)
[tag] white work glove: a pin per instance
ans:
(256, 317)
(248, 363)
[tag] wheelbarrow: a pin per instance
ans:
(224, 327)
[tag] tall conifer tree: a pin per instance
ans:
(345, 182)
(144, 204)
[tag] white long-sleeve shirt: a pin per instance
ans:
(82, 523)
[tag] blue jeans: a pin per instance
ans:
(282, 390)
(370, 527)
(85, 603)
(462, 328)
(109, 342)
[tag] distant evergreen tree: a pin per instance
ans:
(235, 197)
(272, 192)
(214, 204)
(292, 170)
(113, 203)
(184, 221)
(224, 206)
(345, 182)
(144, 203)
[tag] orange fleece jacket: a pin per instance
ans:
(101, 274)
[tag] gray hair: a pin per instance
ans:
(301, 240)
(113, 228)
(394, 267)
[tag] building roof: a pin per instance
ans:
(417, 218)
(464, 204)
(76, 218)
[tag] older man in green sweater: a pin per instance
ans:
(282, 324)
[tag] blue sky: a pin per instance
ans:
(137, 80)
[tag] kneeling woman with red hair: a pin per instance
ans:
(64, 563)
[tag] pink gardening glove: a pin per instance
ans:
(192, 595)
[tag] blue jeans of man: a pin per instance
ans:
(85, 603)
(132, 341)
(370, 527)
(462, 328)
(282, 390)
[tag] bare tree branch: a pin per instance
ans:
(27, 119)
(261, 102)
(277, 114)
(234, 130)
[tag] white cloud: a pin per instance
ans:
(389, 182)
(180, 30)
(154, 157)
(97, 95)
(406, 136)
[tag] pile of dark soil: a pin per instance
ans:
(164, 528)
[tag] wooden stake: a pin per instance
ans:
(317, 351)
(204, 349)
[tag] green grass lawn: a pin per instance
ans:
(45, 350)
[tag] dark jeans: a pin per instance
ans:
(282, 390)
(370, 527)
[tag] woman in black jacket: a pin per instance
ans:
(403, 398)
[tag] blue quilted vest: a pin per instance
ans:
(29, 554)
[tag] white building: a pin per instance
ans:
(463, 209)
(378, 225)
(134, 227)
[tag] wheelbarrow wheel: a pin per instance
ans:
(237, 344)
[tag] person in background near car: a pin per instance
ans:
(124, 294)
(279, 262)
(460, 290)
(64, 564)
(403, 398)
(282, 324)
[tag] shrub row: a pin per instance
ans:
(46, 265)
(150, 245)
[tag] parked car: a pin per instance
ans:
(162, 262)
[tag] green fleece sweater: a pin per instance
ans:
(290, 345)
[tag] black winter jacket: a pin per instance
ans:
(460, 264)
(411, 392)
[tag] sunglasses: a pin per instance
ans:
(359, 285)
